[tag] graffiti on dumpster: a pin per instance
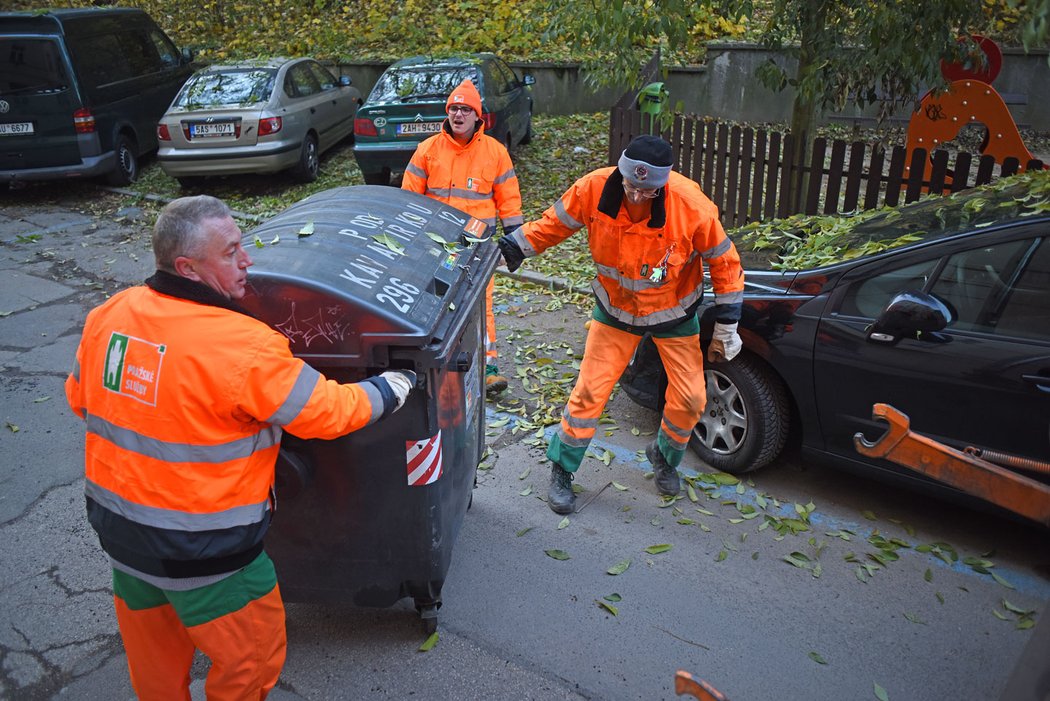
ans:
(329, 325)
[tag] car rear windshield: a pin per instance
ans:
(31, 66)
(222, 88)
(419, 83)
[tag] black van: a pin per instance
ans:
(81, 91)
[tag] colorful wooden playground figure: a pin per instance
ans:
(969, 99)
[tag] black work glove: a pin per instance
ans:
(512, 255)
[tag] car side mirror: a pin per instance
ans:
(908, 315)
(187, 55)
(528, 79)
(344, 80)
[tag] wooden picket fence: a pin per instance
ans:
(756, 174)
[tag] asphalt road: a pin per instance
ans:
(721, 602)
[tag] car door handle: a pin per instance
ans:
(1041, 382)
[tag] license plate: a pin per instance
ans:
(418, 128)
(209, 129)
(16, 128)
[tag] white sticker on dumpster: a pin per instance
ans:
(424, 460)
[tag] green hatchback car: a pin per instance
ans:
(407, 105)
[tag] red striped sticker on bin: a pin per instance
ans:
(424, 460)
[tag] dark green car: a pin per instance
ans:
(407, 105)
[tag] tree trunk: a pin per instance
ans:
(804, 108)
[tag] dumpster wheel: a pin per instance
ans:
(429, 615)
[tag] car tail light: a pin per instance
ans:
(489, 120)
(364, 127)
(270, 125)
(84, 121)
(162, 133)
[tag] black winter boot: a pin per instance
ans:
(560, 496)
(667, 482)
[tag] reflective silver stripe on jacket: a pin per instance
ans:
(445, 192)
(374, 398)
(718, 250)
(729, 297)
(76, 370)
(416, 170)
(652, 319)
(512, 222)
(173, 520)
(565, 218)
(171, 583)
(297, 397)
(505, 177)
(518, 237)
(168, 451)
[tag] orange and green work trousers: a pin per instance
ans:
(238, 622)
(608, 351)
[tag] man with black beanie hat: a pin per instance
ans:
(651, 231)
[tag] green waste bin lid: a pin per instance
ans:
(652, 97)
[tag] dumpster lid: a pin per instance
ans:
(350, 268)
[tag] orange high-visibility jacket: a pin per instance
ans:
(185, 403)
(477, 178)
(682, 234)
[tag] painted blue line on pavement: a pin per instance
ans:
(1022, 581)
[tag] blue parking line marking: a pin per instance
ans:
(1023, 582)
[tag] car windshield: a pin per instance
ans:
(419, 83)
(220, 88)
(803, 241)
(31, 66)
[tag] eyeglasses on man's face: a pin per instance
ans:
(643, 192)
(452, 109)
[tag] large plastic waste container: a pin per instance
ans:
(651, 101)
(361, 279)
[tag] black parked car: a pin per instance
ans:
(969, 361)
(407, 105)
(81, 91)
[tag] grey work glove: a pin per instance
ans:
(725, 344)
(401, 383)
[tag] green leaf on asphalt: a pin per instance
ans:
(40, 399)
(13, 428)
(608, 607)
(880, 693)
(928, 575)
(635, 431)
(691, 493)
(390, 242)
(620, 487)
(619, 568)
(722, 555)
(657, 549)
(500, 423)
(525, 474)
(557, 554)
(526, 492)
(870, 515)
(940, 597)
(1001, 581)
(307, 230)
(429, 643)
(815, 656)
(914, 619)
(1000, 615)
(614, 597)
(523, 531)
(1016, 609)
(563, 523)
(1025, 624)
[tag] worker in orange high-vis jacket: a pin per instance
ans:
(185, 396)
(464, 167)
(651, 231)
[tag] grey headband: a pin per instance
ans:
(641, 174)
